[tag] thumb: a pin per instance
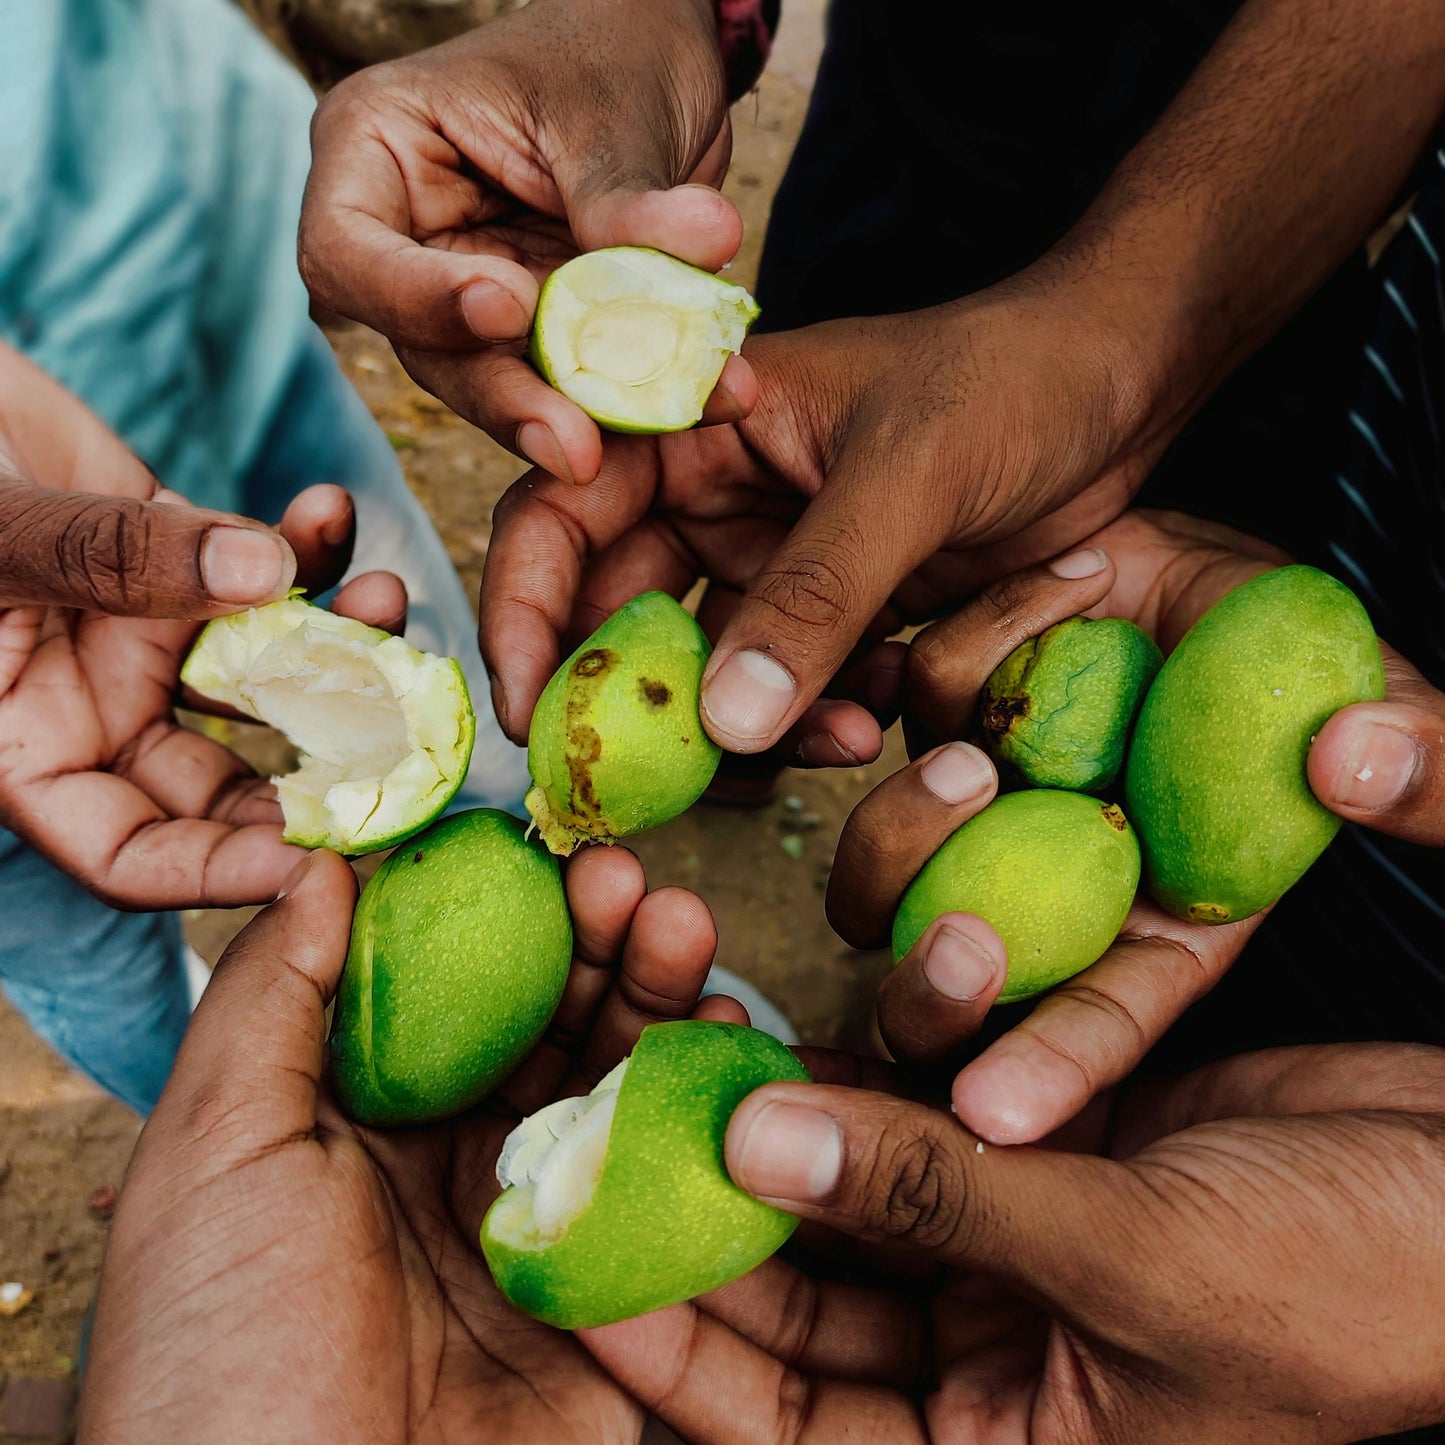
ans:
(1382, 764)
(807, 609)
(249, 1068)
(133, 558)
(886, 1169)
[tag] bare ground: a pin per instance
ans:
(763, 872)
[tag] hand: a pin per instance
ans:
(277, 1272)
(1173, 1294)
(891, 466)
(446, 187)
(1163, 571)
(104, 581)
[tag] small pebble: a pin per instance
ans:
(102, 1201)
(978, 1148)
(792, 845)
(14, 1297)
(793, 803)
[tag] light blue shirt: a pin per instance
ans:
(152, 159)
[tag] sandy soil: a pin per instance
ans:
(763, 872)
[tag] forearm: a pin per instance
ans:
(1280, 156)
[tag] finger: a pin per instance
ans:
(949, 662)
(1093, 1031)
(605, 887)
(356, 247)
(247, 1073)
(135, 558)
(1382, 764)
(938, 995)
(189, 775)
(511, 403)
(320, 526)
(895, 830)
(734, 396)
(376, 598)
(542, 532)
(624, 200)
(882, 1169)
(710, 1383)
(719, 1008)
(132, 855)
(665, 962)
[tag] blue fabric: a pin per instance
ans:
(152, 159)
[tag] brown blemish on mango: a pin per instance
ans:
(1208, 913)
(1113, 815)
(594, 662)
(655, 694)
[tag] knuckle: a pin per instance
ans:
(813, 593)
(920, 1190)
(102, 551)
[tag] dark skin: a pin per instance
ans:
(105, 580)
(303, 1278)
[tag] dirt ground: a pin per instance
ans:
(762, 872)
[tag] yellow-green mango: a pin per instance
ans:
(1054, 872)
(1215, 781)
(460, 948)
(616, 744)
(652, 1216)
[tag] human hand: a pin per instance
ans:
(1163, 571)
(1174, 1292)
(276, 1272)
(104, 581)
(446, 187)
(891, 466)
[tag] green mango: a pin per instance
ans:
(619, 1202)
(616, 744)
(1059, 706)
(460, 948)
(1053, 872)
(1215, 781)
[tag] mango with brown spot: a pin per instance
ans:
(616, 744)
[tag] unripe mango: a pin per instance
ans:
(620, 1202)
(1216, 780)
(460, 948)
(1058, 708)
(616, 744)
(1054, 873)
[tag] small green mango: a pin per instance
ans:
(1059, 706)
(1053, 872)
(616, 744)
(460, 948)
(664, 1221)
(1216, 778)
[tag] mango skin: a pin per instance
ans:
(1216, 781)
(460, 948)
(666, 1222)
(616, 744)
(1058, 708)
(1054, 873)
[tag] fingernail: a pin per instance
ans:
(536, 442)
(957, 966)
(1086, 562)
(244, 564)
(296, 876)
(493, 313)
(747, 699)
(790, 1152)
(1379, 765)
(956, 773)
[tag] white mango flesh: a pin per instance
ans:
(637, 338)
(385, 732)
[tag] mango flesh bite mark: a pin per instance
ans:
(637, 338)
(1058, 709)
(620, 1202)
(1054, 873)
(385, 732)
(616, 744)
(460, 948)
(1216, 781)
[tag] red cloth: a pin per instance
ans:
(745, 36)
